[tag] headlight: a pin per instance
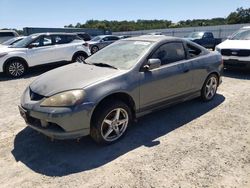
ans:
(218, 49)
(64, 99)
(3, 54)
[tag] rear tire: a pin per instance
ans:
(79, 57)
(94, 49)
(16, 68)
(110, 122)
(209, 88)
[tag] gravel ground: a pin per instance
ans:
(193, 144)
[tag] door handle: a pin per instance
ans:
(186, 70)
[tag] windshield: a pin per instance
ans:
(196, 35)
(96, 39)
(121, 55)
(23, 43)
(241, 35)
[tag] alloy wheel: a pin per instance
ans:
(16, 69)
(94, 49)
(211, 88)
(80, 59)
(114, 124)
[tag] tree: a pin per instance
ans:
(240, 16)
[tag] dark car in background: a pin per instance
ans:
(204, 38)
(128, 79)
(101, 41)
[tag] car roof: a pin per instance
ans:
(4, 31)
(153, 38)
(53, 33)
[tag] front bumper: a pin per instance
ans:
(58, 126)
(236, 62)
(55, 122)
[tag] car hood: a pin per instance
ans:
(7, 49)
(235, 44)
(69, 77)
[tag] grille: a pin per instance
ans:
(35, 97)
(240, 53)
(37, 123)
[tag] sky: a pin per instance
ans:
(58, 13)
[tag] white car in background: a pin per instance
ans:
(236, 50)
(40, 49)
(11, 41)
(7, 34)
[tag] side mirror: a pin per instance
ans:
(152, 64)
(229, 37)
(31, 46)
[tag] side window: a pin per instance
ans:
(64, 39)
(42, 41)
(58, 39)
(208, 35)
(105, 39)
(193, 51)
(113, 38)
(170, 52)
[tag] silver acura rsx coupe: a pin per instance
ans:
(128, 79)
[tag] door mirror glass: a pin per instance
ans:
(152, 64)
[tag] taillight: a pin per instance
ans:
(222, 62)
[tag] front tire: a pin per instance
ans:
(209, 88)
(15, 68)
(110, 122)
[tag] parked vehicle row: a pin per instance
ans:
(125, 80)
(40, 49)
(236, 50)
(205, 39)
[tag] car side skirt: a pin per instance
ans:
(167, 103)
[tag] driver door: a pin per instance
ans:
(172, 79)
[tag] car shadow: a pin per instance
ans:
(61, 158)
(243, 74)
(33, 71)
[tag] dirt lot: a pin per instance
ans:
(193, 144)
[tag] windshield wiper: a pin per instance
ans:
(104, 65)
